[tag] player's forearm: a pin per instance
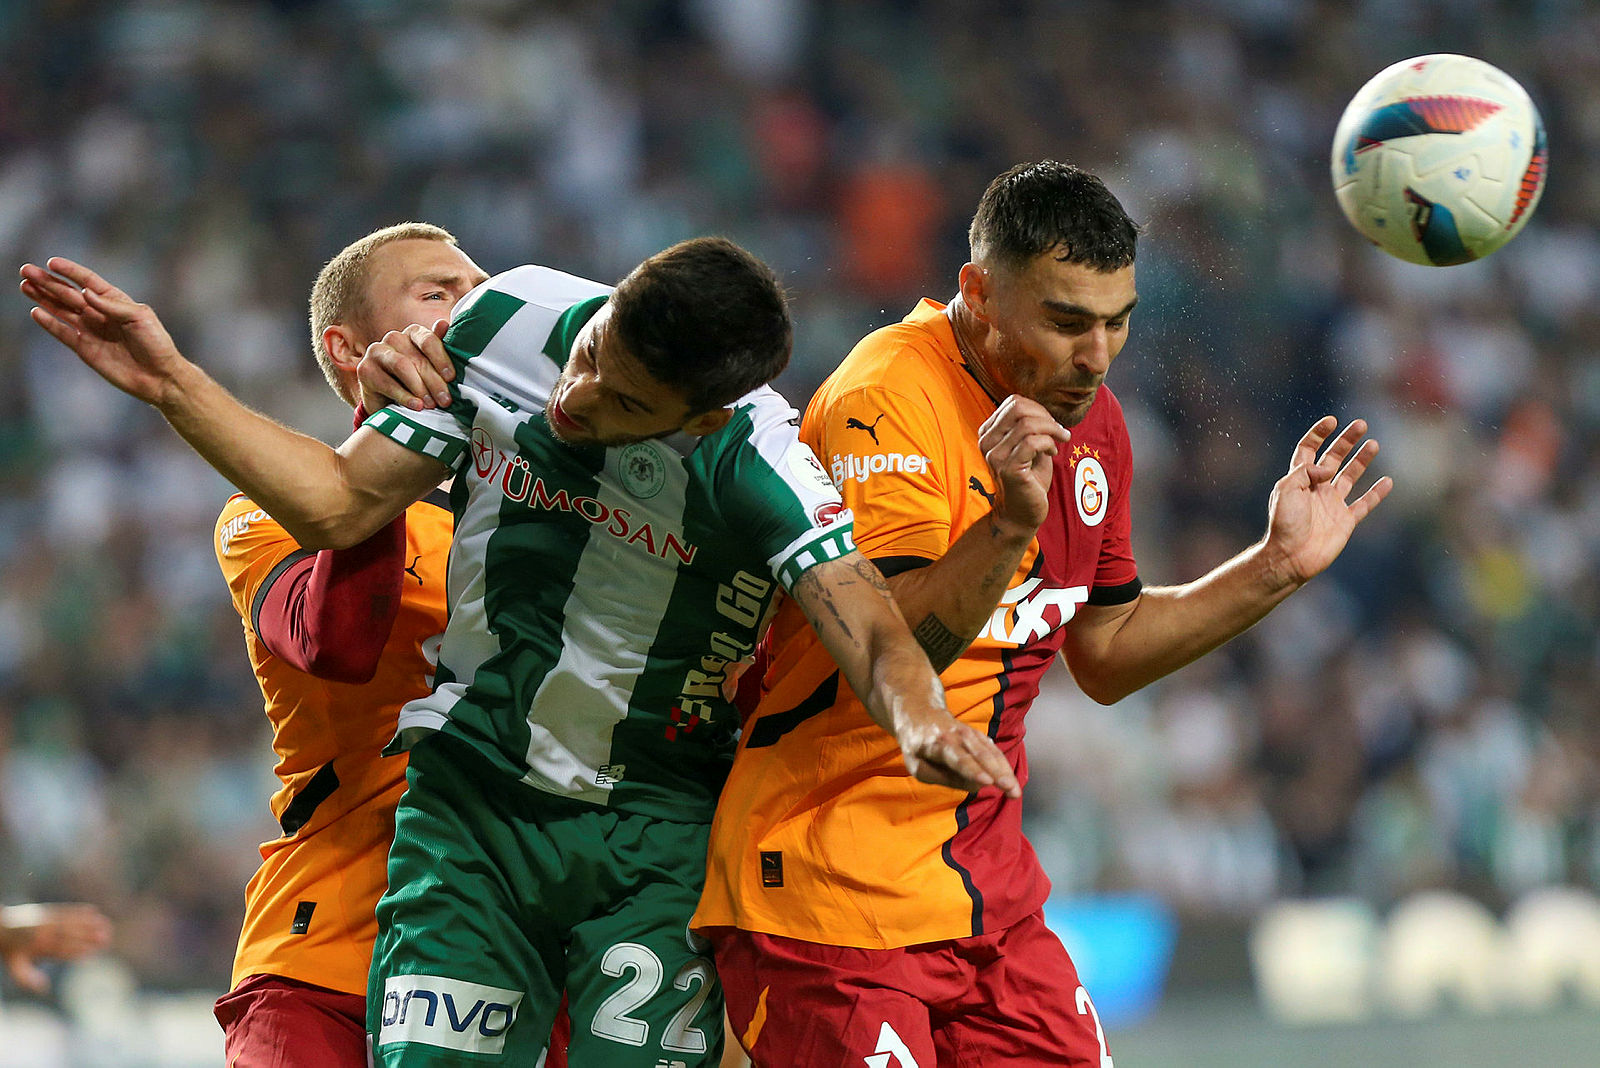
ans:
(948, 602)
(295, 478)
(900, 686)
(857, 622)
(1171, 626)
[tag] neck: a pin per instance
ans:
(969, 339)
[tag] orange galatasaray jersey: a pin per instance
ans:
(309, 909)
(821, 834)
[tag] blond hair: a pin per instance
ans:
(339, 296)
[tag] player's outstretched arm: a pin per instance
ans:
(325, 499)
(849, 606)
(1113, 651)
(30, 933)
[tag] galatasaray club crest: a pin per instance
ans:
(1090, 489)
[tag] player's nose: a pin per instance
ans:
(1092, 354)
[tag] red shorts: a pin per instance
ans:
(1011, 998)
(272, 1022)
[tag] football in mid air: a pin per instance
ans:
(1440, 159)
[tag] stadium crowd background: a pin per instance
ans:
(1422, 716)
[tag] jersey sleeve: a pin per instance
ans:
(771, 487)
(1116, 577)
(434, 432)
(884, 450)
(330, 615)
(253, 552)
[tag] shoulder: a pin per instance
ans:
(900, 354)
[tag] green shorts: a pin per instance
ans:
(502, 897)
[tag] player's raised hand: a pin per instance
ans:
(408, 367)
(1310, 515)
(939, 750)
(1019, 443)
(120, 339)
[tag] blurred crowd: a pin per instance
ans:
(1424, 715)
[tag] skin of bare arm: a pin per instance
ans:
(1113, 651)
(325, 498)
(849, 606)
(30, 933)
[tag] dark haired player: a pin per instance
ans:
(858, 916)
(629, 498)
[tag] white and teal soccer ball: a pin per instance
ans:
(1439, 159)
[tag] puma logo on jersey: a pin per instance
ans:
(1027, 604)
(855, 424)
(411, 569)
(891, 1050)
(974, 484)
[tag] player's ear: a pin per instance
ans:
(708, 422)
(975, 284)
(340, 344)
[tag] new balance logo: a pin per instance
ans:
(855, 424)
(437, 1011)
(891, 1050)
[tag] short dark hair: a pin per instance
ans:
(1034, 208)
(706, 318)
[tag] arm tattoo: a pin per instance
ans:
(869, 573)
(811, 584)
(941, 644)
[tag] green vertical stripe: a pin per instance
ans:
(558, 346)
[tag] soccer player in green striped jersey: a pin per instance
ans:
(630, 498)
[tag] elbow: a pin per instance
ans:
(1102, 689)
(331, 532)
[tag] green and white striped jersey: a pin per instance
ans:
(603, 601)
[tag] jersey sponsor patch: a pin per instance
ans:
(236, 526)
(848, 467)
(1025, 611)
(450, 1013)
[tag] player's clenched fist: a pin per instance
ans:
(1019, 442)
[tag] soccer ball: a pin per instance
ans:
(1439, 159)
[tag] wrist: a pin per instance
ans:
(1002, 528)
(182, 384)
(1277, 568)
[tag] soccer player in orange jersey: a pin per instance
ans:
(859, 916)
(339, 640)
